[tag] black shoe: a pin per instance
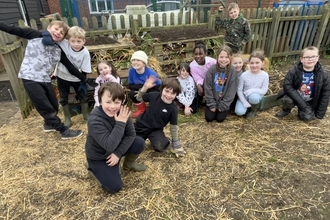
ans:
(283, 113)
(91, 82)
(48, 128)
(70, 134)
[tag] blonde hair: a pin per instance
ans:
(61, 24)
(244, 67)
(309, 48)
(232, 6)
(77, 32)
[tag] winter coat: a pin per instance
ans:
(320, 100)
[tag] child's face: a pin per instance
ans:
(233, 13)
(168, 95)
(104, 69)
(76, 43)
(110, 107)
(138, 64)
(56, 32)
(237, 62)
(183, 74)
(199, 56)
(309, 59)
(256, 65)
(223, 59)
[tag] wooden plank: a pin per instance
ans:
(323, 23)
(97, 48)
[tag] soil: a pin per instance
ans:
(99, 40)
(184, 33)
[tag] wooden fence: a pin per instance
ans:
(280, 32)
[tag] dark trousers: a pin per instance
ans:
(157, 138)
(43, 98)
(134, 92)
(109, 177)
(218, 116)
(64, 90)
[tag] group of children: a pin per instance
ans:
(225, 82)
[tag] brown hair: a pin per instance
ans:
(243, 59)
(61, 24)
(184, 66)
(229, 52)
(115, 89)
(232, 6)
(308, 48)
(258, 53)
(77, 32)
(171, 83)
(113, 68)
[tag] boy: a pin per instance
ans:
(80, 58)
(160, 111)
(237, 28)
(41, 54)
(306, 86)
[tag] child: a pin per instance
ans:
(237, 28)
(80, 57)
(107, 73)
(137, 76)
(199, 67)
(220, 86)
(160, 111)
(41, 54)
(306, 86)
(111, 136)
(252, 86)
(187, 97)
(240, 66)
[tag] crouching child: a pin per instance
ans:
(306, 86)
(160, 111)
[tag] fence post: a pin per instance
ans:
(323, 26)
(272, 37)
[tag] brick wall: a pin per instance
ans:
(54, 6)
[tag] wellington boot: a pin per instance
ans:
(252, 111)
(91, 174)
(283, 113)
(67, 115)
(141, 108)
(130, 164)
(85, 111)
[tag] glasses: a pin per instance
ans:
(310, 58)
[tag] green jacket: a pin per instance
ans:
(237, 31)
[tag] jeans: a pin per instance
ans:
(253, 99)
(64, 90)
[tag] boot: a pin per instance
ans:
(141, 108)
(283, 113)
(130, 164)
(85, 111)
(67, 115)
(91, 174)
(252, 111)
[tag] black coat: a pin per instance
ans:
(321, 97)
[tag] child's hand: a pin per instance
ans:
(221, 8)
(187, 110)
(112, 160)
(150, 82)
(123, 114)
(212, 109)
(200, 90)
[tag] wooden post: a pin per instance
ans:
(272, 37)
(323, 26)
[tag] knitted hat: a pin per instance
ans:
(140, 55)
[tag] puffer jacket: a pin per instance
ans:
(321, 96)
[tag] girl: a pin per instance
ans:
(107, 73)
(111, 136)
(240, 65)
(220, 86)
(160, 111)
(253, 85)
(187, 97)
(137, 76)
(199, 67)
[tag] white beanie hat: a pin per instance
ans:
(140, 55)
